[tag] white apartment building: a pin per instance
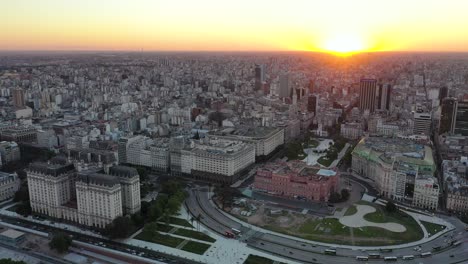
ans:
(426, 192)
(130, 183)
(50, 186)
(395, 164)
(265, 139)
(217, 160)
(9, 185)
(87, 197)
(351, 130)
(151, 153)
(99, 199)
(422, 123)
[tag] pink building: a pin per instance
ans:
(296, 179)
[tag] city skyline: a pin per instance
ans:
(340, 27)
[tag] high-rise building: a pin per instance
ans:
(443, 93)
(367, 95)
(422, 123)
(312, 103)
(383, 97)
(311, 86)
(448, 115)
(259, 76)
(461, 119)
(284, 86)
(85, 196)
(18, 98)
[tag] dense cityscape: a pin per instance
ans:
(233, 157)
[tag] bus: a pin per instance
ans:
(330, 251)
(362, 258)
(385, 250)
(456, 243)
(235, 231)
(374, 255)
(409, 257)
(390, 259)
(229, 234)
(426, 254)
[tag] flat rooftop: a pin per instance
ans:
(11, 233)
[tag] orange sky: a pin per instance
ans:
(347, 25)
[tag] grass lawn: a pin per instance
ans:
(351, 210)
(165, 240)
(254, 259)
(164, 228)
(432, 228)
(330, 230)
(196, 247)
(194, 234)
(325, 161)
(179, 221)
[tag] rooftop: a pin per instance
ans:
(12, 234)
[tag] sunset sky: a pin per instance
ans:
(316, 25)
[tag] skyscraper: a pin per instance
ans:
(284, 87)
(461, 119)
(259, 76)
(18, 98)
(312, 104)
(443, 93)
(367, 94)
(383, 96)
(422, 124)
(447, 115)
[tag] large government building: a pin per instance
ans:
(89, 197)
(401, 168)
(297, 179)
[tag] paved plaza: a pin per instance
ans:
(357, 220)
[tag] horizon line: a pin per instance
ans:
(220, 51)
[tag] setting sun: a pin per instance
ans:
(344, 44)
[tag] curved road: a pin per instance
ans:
(199, 203)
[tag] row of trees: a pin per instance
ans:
(167, 204)
(338, 197)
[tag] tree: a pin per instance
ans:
(344, 195)
(151, 229)
(143, 173)
(10, 261)
(390, 207)
(121, 227)
(23, 208)
(22, 195)
(60, 242)
(334, 197)
(170, 187)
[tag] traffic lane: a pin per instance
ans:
(300, 255)
(205, 219)
(206, 205)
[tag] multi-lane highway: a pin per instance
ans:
(199, 204)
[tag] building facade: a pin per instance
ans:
(297, 180)
(9, 185)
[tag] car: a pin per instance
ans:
(261, 243)
(451, 256)
(290, 252)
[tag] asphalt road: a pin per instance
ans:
(199, 203)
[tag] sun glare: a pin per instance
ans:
(344, 44)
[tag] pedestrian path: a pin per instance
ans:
(357, 220)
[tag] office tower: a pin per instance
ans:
(443, 93)
(461, 119)
(312, 103)
(383, 97)
(422, 123)
(259, 76)
(284, 86)
(311, 86)
(447, 115)
(367, 95)
(18, 98)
